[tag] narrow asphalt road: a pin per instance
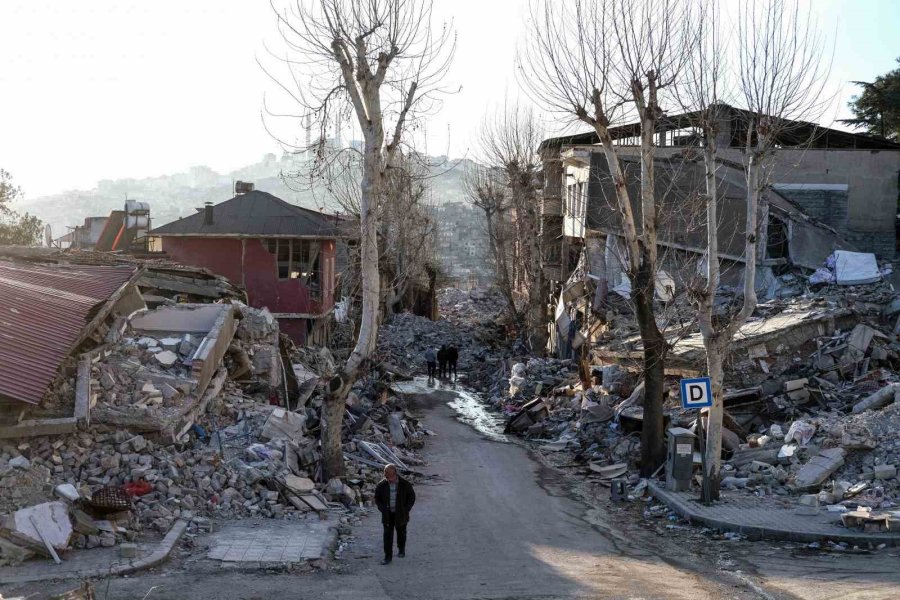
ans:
(491, 523)
(493, 526)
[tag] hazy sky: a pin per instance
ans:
(102, 89)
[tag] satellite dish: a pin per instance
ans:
(48, 236)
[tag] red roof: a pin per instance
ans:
(43, 311)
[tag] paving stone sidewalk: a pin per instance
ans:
(757, 520)
(264, 543)
(97, 562)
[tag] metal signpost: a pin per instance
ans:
(696, 393)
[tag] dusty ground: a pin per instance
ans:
(493, 522)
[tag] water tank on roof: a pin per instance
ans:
(242, 187)
(137, 214)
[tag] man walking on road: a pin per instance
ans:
(430, 358)
(394, 497)
(452, 357)
(442, 361)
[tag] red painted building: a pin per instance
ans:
(282, 254)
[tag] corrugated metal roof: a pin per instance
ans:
(255, 213)
(43, 310)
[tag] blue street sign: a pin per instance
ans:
(696, 393)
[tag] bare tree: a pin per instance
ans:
(404, 209)
(509, 143)
(780, 80)
(599, 62)
(380, 61)
(486, 190)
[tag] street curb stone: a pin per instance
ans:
(158, 556)
(695, 516)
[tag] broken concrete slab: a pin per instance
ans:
(855, 268)
(39, 427)
(814, 473)
(883, 397)
(12, 553)
(300, 485)
(33, 524)
(284, 425)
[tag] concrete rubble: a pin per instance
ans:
(192, 418)
(196, 416)
(811, 398)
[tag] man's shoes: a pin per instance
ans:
(386, 561)
(401, 554)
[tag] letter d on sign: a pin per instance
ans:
(696, 393)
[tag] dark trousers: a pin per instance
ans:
(442, 368)
(430, 370)
(389, 537)
(451, 369)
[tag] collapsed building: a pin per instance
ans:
(141, 397)
(830, 190)
(811, 377)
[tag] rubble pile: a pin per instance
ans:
(811, 415)
(470, 321)
(238, 454)
(145, 370)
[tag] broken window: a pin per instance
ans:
(300, 259)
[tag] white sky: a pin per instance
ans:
(103, 89)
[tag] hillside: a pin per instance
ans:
(177, 195)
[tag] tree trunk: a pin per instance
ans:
(340, 385)
(714, 345)
(653, 450)
(715, 352)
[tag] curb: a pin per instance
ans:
(756, 532)
(158, 556)
(330, 545)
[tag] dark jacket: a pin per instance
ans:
(442, 355)
(452, 355)
(406, 497)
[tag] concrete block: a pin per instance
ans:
(166, 358)
(67, 491)
(20, 462)
(84, 523)
(885, 472)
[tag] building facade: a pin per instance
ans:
(282, 254)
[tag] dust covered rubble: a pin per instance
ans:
(471, 321)
(243, 456)
(819, 416)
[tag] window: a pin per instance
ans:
(298, 259)
(284, 259)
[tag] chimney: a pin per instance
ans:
(208, 214)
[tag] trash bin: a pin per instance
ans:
(680, 459)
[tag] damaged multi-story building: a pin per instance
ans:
(828, 190)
